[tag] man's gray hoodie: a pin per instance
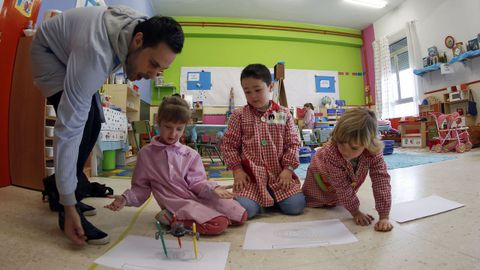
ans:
(76, 52)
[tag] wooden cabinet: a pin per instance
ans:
(413, 134)
(26, 123)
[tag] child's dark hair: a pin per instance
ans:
(174, 109)
(309, 105)
(161, 29)
(257, 71)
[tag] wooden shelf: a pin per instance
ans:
(125, 98)
(462, 57)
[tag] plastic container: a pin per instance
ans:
(305, 154)
(49, 131)
(50, 111)
(48, 151)
(388, 149)
(49, 171)
(108, 162)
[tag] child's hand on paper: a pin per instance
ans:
(117, 204)
(240, 179)
(383, 225)
(285, 179)
(362, 219)
(223, 193)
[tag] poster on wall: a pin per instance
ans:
(214, 85)
(25, 7)
(90, 3)
(199, 80)
(325, 84)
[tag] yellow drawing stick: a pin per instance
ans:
(194, 228)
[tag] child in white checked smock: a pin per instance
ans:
(261, 147)
(341, 166)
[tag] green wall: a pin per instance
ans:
(238, 47)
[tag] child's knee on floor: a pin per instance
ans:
(252, 207)
(293, 205)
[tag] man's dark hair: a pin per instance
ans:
(159, 29)
(257, 71)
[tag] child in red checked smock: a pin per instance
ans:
(340, 167)
(261, 147)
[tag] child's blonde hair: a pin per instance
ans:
(358, 127)
(174, 109)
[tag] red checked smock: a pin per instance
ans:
(339, 183)
(263, 144)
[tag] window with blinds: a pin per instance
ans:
(403, 96)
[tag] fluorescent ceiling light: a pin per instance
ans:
(369, 3)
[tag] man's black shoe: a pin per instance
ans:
(94, 235)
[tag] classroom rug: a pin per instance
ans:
(394, 161)
(124, 172)
(215, 171)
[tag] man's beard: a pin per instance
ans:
(130, 72)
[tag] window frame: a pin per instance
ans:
(394, 60)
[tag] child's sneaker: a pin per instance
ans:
(164, 217)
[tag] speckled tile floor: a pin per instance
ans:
(30, 239)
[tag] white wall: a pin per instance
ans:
(436, 19)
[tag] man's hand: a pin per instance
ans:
(285, 179)
(240, 179)
(117, 204)
(223, 193)
(73, 227)
(362, 219)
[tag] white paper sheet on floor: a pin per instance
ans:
(142, 253)
(432, 205)
(297, 234)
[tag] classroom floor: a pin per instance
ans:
(30, 238)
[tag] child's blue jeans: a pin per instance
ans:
(293, 205)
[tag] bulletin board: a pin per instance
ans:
(212, 85)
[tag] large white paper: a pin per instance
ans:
(297, 234)
(421, 208)
(141, 253)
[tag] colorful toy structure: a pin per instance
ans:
(178, 230)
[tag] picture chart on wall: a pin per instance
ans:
(212, 85)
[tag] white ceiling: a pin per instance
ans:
(322, 12)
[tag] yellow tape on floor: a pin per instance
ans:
(127, 230)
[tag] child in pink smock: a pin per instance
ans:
(175, 175)
(309, 118)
